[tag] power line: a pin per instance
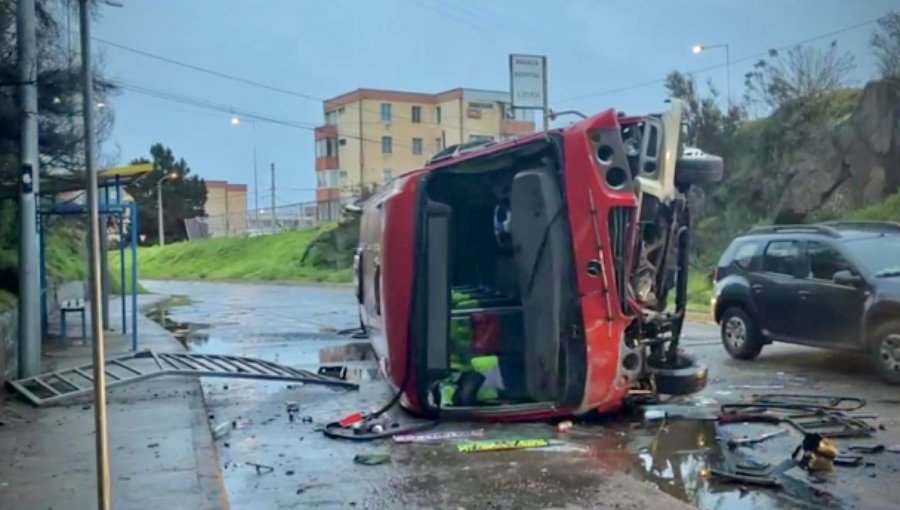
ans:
(208, 105)
(247, 81)
(720, 66)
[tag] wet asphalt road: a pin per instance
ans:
(609, 464)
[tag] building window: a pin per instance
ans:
(385, 112)
(481, 138)
(437, 115)
(342, 142)
(416, 114)
(343, 174)
(388, 175)
(330, 118)
(437, 145)
(481, 106)
(327, 179)
(387, 145)
(417, 146)
(326, 148)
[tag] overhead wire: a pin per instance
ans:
(250, 82)
(240, 112)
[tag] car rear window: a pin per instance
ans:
(782, 257)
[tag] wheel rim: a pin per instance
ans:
(889, 352)
(735, 333)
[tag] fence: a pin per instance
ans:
(300, 216)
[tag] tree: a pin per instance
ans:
(801, 73)
(59, 97)
(183, 197)
(708, 127)
(885, 41)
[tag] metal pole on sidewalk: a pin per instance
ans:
(255, 180)
(29, 352)
(101, 433)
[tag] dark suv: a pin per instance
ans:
(830, 285)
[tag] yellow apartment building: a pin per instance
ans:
(226, 208)
(371, 136)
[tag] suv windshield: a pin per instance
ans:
(879, 255)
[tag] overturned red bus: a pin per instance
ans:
(536, 278)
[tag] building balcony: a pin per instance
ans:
(516, 127)
(323, 132)
(326, 163)
(327, 194)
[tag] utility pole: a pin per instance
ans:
(101, 433)
(273, 197)
(29, 352)
(255, 180)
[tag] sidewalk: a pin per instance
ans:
(161, 449)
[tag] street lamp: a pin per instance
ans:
(236, 121)
(700, 48)
(159, 205)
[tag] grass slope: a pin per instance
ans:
(263, 258)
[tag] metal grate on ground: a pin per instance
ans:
(54, 387)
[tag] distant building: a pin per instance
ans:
(226, 209)
(371, 136)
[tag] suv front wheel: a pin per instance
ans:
(885, 350)
(739, 335)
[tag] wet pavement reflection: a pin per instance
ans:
(298, 326)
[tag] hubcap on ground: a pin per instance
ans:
(735, 332)
(890, 352)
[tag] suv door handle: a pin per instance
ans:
(756, 287)
(803, 293)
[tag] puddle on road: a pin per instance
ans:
(676, 457)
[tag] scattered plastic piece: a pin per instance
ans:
(869, 449)
(261, 469)
(351, 420)
(437, 436)
(222, 430)
(491, 446)
(371, 459)
(564, 426)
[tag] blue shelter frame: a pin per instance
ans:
(109, 189)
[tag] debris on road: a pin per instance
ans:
(54, 387)
(824, 402)
(223, 429)
(867, 449)
(371, 459)
(351, 420)
(261, 469)
(750, 441)
(564, 426)
(493, 446)
(437, 436)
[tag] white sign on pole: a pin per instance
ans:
(528, 81)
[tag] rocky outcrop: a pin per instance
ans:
(852, 163)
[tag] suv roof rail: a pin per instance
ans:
(873, 226)
(815, 229)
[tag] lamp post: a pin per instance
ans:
(236, 121)
(159, 206)
(700, 48)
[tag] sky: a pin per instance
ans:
(601, 54)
